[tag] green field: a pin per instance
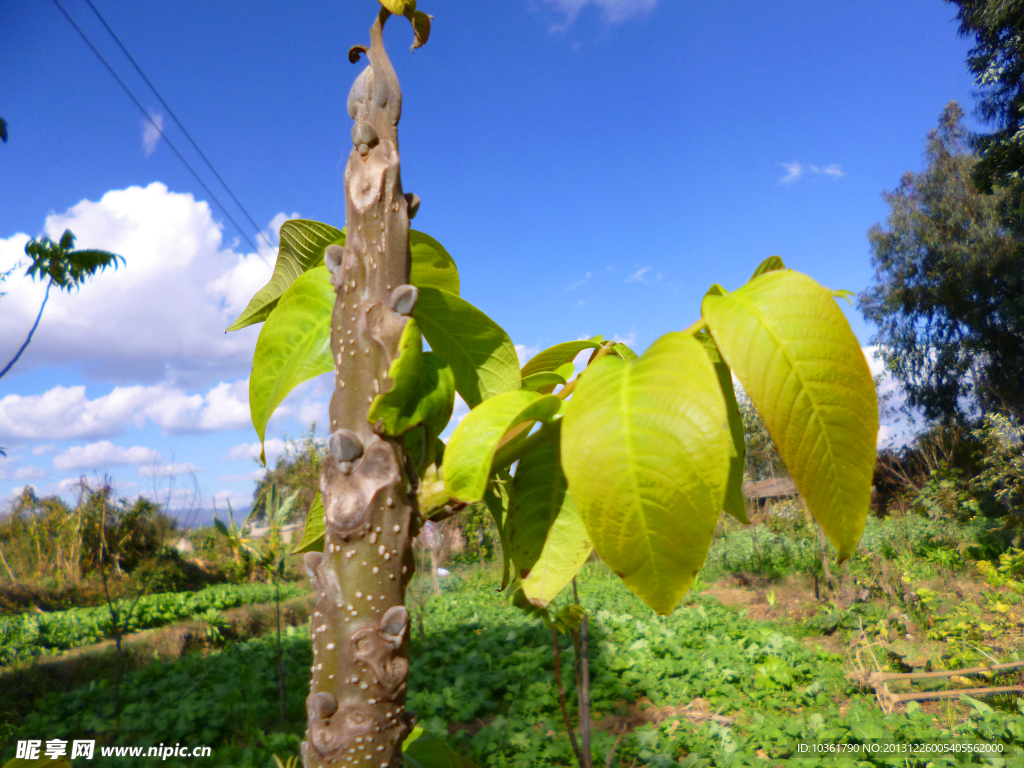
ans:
(704, 686)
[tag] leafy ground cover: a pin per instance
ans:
(28, 635)
(704, 686)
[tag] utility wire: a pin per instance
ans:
(159, 130)
(178, 123)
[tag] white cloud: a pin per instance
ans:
(795, 171)
(151, 132)
(245, 477)
(41, 449)
(638, 276)
(177, 291)
(612, 11)
(168, 470)
(274, 448)
(579, 282)
(30, 473)
(525, 353)
(66, 413)
(237, 499)
(103, 454)
(629, 340)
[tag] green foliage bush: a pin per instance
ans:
(487, 666)
(28, 635)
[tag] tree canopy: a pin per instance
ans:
(997, 63)
(948, 291)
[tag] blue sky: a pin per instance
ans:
(593, 166)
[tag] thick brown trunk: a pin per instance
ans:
(360, 627)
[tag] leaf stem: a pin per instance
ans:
(697, 326)
(509, 454)
(561, 700)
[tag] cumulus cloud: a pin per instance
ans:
(63, 413)
(244, 477)
(151, 128)
(179, 288)
(796, 171)
(103, 454)
(612, 11)
(525, 353)
(171, 469)
(274, 447)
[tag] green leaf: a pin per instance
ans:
(770, 264)
(546, 535)
(554, 357)
(627, 354)
(315, 530)
(423, 749)
(432, 266)
(496, 499)
(537, 381)
(646, 449)
(422, 388)
(293, 346)
(20, 762)
(302, 247)
(471, 447)
(734, 503)
(794, 353)
(481, 355)
(414, 443)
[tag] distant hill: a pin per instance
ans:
(202, 517)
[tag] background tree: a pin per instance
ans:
(997, 63)
(298, 470)
(948, 291)
(762, 457)
(66, 269)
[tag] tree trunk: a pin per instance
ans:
(360, 627)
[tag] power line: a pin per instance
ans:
(178, 123)
(159, 130)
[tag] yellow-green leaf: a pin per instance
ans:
(470, 450)
(399, 7)
(293, 346)
(481, 355)
(547, 538)
(535, 382)
(797, 358)
(315, 530)
(734, 502)
(302, 247)
(422, 388)
(553, 358)
(646, 449)
(431, 264)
